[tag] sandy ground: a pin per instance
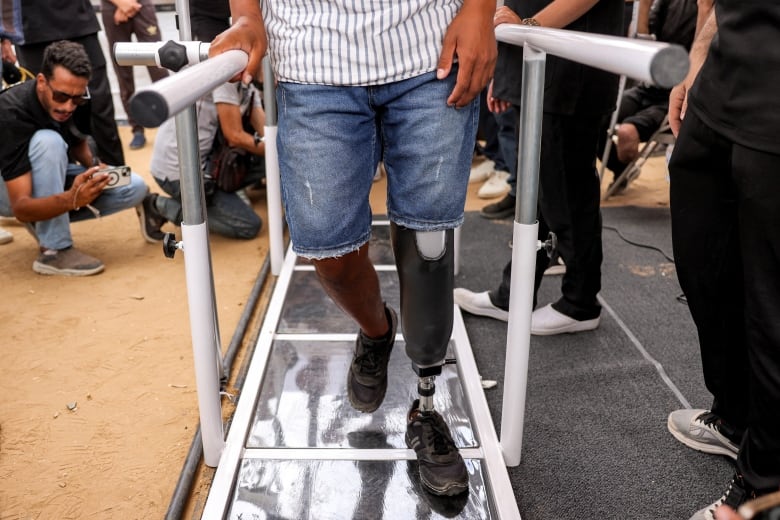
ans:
(99, 404)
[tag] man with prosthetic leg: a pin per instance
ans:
(406, 95)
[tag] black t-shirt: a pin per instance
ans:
(737, 92)
(219, 9)
(570, 88)
(21, 115)
(53, 20)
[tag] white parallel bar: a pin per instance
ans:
(153, 104)
(518, 342)
(148, 53)
(495, 470)
(274, 195)
(204, 338)
(662, 64)
(225, 476)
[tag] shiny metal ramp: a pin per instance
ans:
(296, 448)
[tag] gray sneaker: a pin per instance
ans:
(704, 431)
(67, 262)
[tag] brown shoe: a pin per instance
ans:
(67, 262)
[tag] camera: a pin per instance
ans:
(117, 176)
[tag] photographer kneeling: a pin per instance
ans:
(51, 177)
(230, 123)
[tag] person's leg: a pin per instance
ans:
(48, 155)
(147, 30)
(427, 154)
(705, 238)
(119, 33)
(230, 217)
(170, 207)
(102, 120)
(325, 185)
(569, 205)
(755, 174)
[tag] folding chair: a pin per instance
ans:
(662, 136)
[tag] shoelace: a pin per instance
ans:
(437, 434)
(734, 496)
(369, 361)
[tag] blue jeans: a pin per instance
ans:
(331, 139)
(52, 174)
(227, 214)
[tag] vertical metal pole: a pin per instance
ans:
(525, 244)
(200, 281)
(272, 181)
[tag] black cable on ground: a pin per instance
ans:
(639, 244)
(681, 298)
(183, 487)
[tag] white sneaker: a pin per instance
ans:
(479, 304)
(548, 322)
(481, 171)
(5, 236)
(495, 186)
(555, 269)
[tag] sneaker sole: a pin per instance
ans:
(49, 270)
(360, 406)
(456, 488)
(500, 214)
(699, 446)
(580, 326)
(142, 219)
(496, 314)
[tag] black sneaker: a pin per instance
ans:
(735, 495)
(150, 219)
(367, 377)
(442, 470)
(138, 141)
(501, 209)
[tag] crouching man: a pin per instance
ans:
(50, 175)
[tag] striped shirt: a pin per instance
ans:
(355, 42)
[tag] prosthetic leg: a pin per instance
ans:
(425, 263)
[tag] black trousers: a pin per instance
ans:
(569, 198)
(102, 122)
(145, 27)
(725, 203)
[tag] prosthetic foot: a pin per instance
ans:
(425, 262)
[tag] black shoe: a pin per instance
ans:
(442, 470)
(735, 495)
(150, 219)
(501, 209)
(138, 141)
(367, 377)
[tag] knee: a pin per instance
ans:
(48, 144)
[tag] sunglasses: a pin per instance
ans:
(62, 97)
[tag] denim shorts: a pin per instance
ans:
(331, 138)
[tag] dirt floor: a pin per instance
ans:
(99, 404)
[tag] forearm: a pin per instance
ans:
(704, 9)
(701, 44)
(248, 8)
(30, 209)
(561, 13)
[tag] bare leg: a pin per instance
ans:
(351, 281)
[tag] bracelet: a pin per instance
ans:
(531, 21)
(75, 196)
